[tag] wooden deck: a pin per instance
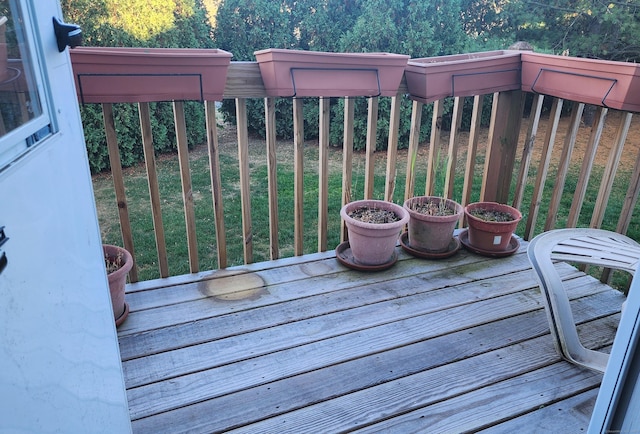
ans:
(306, 345)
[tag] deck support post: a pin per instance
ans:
(506, 118)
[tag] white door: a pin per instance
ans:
(59, 360)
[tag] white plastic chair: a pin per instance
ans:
(584, 246)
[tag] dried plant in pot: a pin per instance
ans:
(373, 227)
(432, 221)
(491, 225)
(118, 262)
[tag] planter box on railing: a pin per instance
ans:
(288, 73)
(599, 82)
(433, 78)
(111, 75)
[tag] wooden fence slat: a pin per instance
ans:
(434, 145)
(630, 199)
(323, 173)
(298, 168)
(187, 188)
(610, 172)
(372, 128)
(525, 162)
(347, 159)
(412, 152)
(563, 167)
(272, 177)
(154, 189)
(216, 182)
(392, 148)
(118, 185)
(543, 167)
(452, 154)
(245, 182)
(472, 151)
(587, 166)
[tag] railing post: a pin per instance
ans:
(506, 118)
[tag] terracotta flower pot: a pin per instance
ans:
(590, 81)
(433, 78)
(491, 236)
(116, 74)
(288, 73)
(431, 233)
(373, 243)
(118, 279)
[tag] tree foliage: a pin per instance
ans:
(139, 23)
(587, 28)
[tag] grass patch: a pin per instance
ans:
(173, 211)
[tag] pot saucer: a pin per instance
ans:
(513, 246)
(345, 257)
(122, 317)
(452, 248)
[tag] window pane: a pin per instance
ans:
(19, 101)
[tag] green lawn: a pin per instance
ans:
(173, 214)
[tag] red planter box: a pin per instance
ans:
(433, 78)
(112, 75)
(288, 73)
(599, 82)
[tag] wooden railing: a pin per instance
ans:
(519, 164)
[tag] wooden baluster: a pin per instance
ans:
(525, 162)
(323, 173)
(630, 199)
(245, 185)
(118, 184)
(412, 152)
(452, 154)
(610, 172)
(563, 167)
(392, 148)
(298, 168)
(187, 188)
(272, 177)
(154, 190)
(216, 182)
(434, 144)
(347, 158)
(543, 168)
(587, 166)
(472, 149)
(372, 128)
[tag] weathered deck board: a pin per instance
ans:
(453, 345)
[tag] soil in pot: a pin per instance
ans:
(374, 215)
(491, 215)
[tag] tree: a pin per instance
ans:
(139, 23)
(585, 28)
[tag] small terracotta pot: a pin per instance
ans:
(373, 243)
(431, 233)
(489, 235)
(118, 279)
